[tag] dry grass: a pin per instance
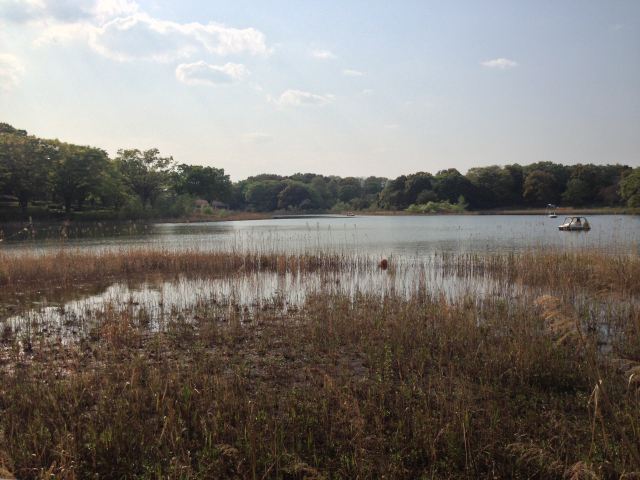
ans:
(364, 386)
(590, 270)
(26, 272)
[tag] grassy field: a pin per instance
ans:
(542, 384)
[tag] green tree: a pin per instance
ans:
(326, 195)
(393, 194)
(577, 193)
(349, 188)
(262, 196)
(426, 196)
(415, 185)
(112, 189)
(298, 195)
(237, 199)
(630, 188)
(145, 172)
(450, 184)
(78, 172)
(517, 182)
(559, 175)
(494, 185)
(25, 165)
(208, 183)
(374, 185)
(5, 128)
(539, 188)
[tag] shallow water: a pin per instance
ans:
(159, 301)
(409, 241)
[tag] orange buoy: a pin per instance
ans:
(384, 264)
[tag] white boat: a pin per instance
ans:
(574, 224)
(551, 210)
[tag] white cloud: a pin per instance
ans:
(500, 63)
(142, 37)
(352, 73)
(121, 31)
(11, 71)
(202, 73)
(299, 98)
(105, 9)
(323, 54)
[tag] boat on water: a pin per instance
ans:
(351, 214)
(574, 224)
(551, 210)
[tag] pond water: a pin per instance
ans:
(379, 235)
(410, 241)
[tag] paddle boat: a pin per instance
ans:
(572, 224)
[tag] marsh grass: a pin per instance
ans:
(364, 385)
(25, 272)
(559, 270)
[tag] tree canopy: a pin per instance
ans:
(65, 177)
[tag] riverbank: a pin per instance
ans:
(562, 211)
(228, 215)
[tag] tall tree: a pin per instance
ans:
(393, 195)
(298, 195)
(78, 172)
(451, 184)
(415, 185)
(374, 185)
(349, 188)
(208, 183)
(25, 163)
(630, 188)
(559, 174)
(494, 185)
(146, 172)
(540, 188)
(262, 195)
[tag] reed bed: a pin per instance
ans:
(65, 268)
(363, 385)
(369, 387)
(589, 270)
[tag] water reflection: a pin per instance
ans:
(387, 235)
(158, 301)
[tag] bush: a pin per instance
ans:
(438, 207)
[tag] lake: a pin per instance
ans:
(405, 236)
(410, 241)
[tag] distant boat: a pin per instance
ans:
(575, 224)
(351, 214)
(551, 210)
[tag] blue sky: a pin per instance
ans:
(346, 88)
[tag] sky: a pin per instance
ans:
(349, 88)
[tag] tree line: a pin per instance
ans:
(53, 178)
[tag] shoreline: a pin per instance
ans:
(243, 216)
